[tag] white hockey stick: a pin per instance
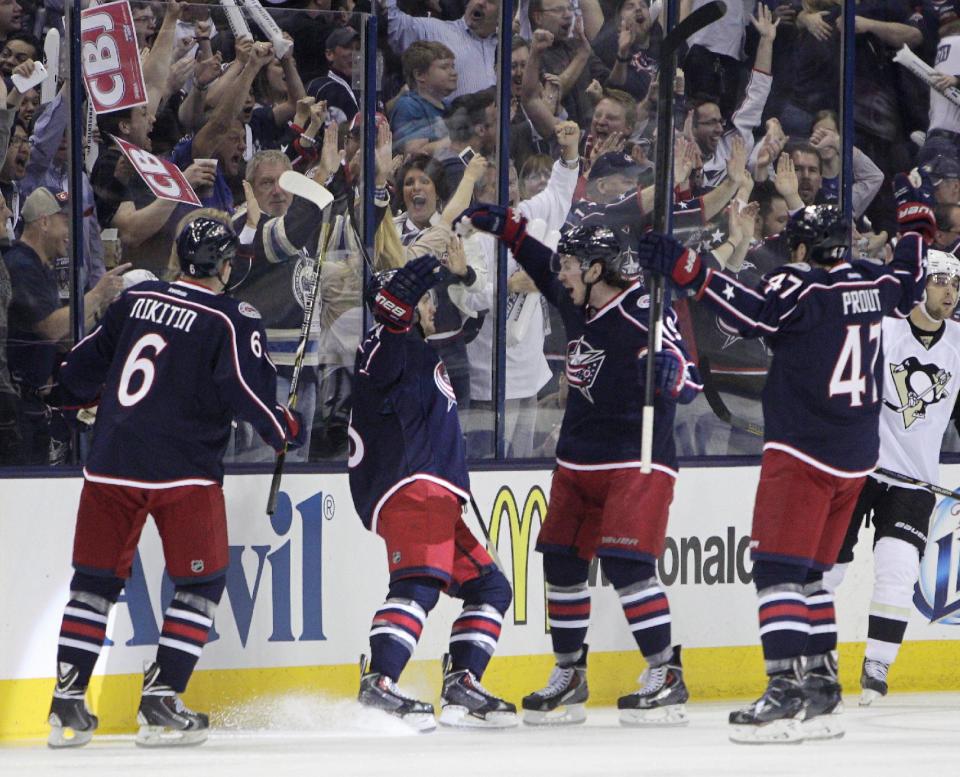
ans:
(238, 25)
(270, 28)
(924, 72)
(51, 56)
(300, 185)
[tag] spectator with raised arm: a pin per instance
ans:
(430, 71)
(709, 122)
(473, 37)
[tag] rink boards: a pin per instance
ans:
(303, 585)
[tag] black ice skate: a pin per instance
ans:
(561, 702)
(380, 692)
(774, 718)
(822, 693)
(71, 723)
(873, 681)
(164, 719)
(661, 698)
(465, 703)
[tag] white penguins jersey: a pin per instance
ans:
(920, 386)
(943, 113)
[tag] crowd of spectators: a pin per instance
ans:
(757, 99)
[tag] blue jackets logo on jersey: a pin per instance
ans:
(937, 592)
(583, 366)
(442, 379)
(918, 385)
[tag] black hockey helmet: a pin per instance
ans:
(822, 229)
(598, 243)
(204, 245)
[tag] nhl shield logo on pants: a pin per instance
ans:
(197, 565)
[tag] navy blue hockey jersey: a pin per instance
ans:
(603, 419)
(171, 365)
(404, 424)
(821, 402)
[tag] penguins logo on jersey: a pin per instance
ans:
(583, 366)
(442, 379)
(918, 385)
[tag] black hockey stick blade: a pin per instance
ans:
(889, 473)
(719, 407)
(695, 21)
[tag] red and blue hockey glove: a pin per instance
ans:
(914, 196)
(294, 428)
(671, 258)
(668, 373)
(395, 304)
(506, 223)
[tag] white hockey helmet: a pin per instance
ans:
(942, 263)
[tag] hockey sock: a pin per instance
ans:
(84, 626)
(186, 623)
(568, 605)
(475, 632)
(644, 604)
(896, 566)
(823, 618)
(397, 625)
(784, 621)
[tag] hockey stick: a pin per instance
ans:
(298, 184)
(722, 412)
(889, 473)
(663, 198)
(719, 407)
(491, 549)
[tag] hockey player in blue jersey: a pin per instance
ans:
(601, 504)
(821, 316)
(170, 365)
(409, 481)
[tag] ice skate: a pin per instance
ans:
(71, 723)
(465, 703)
(380, 692)
(774, 718)
(873, 681)
(561, 702)
(661, 698)
(822, 693)
(164, 719)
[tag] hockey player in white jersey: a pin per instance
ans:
(921, 370)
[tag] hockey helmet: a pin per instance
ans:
(822, 229)
(942, 263)
(598, 243)
(204, 245)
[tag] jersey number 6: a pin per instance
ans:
(137, 364)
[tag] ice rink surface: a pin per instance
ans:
(901, 736)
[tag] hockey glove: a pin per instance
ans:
(294, 428)
(395, 304)
(669, 257)
(506, 223)
(914, 196)
(668, 374)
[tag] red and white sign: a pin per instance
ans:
(164, 178)
(110, 57)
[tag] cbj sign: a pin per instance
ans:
(243, 589)
(937, 593)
